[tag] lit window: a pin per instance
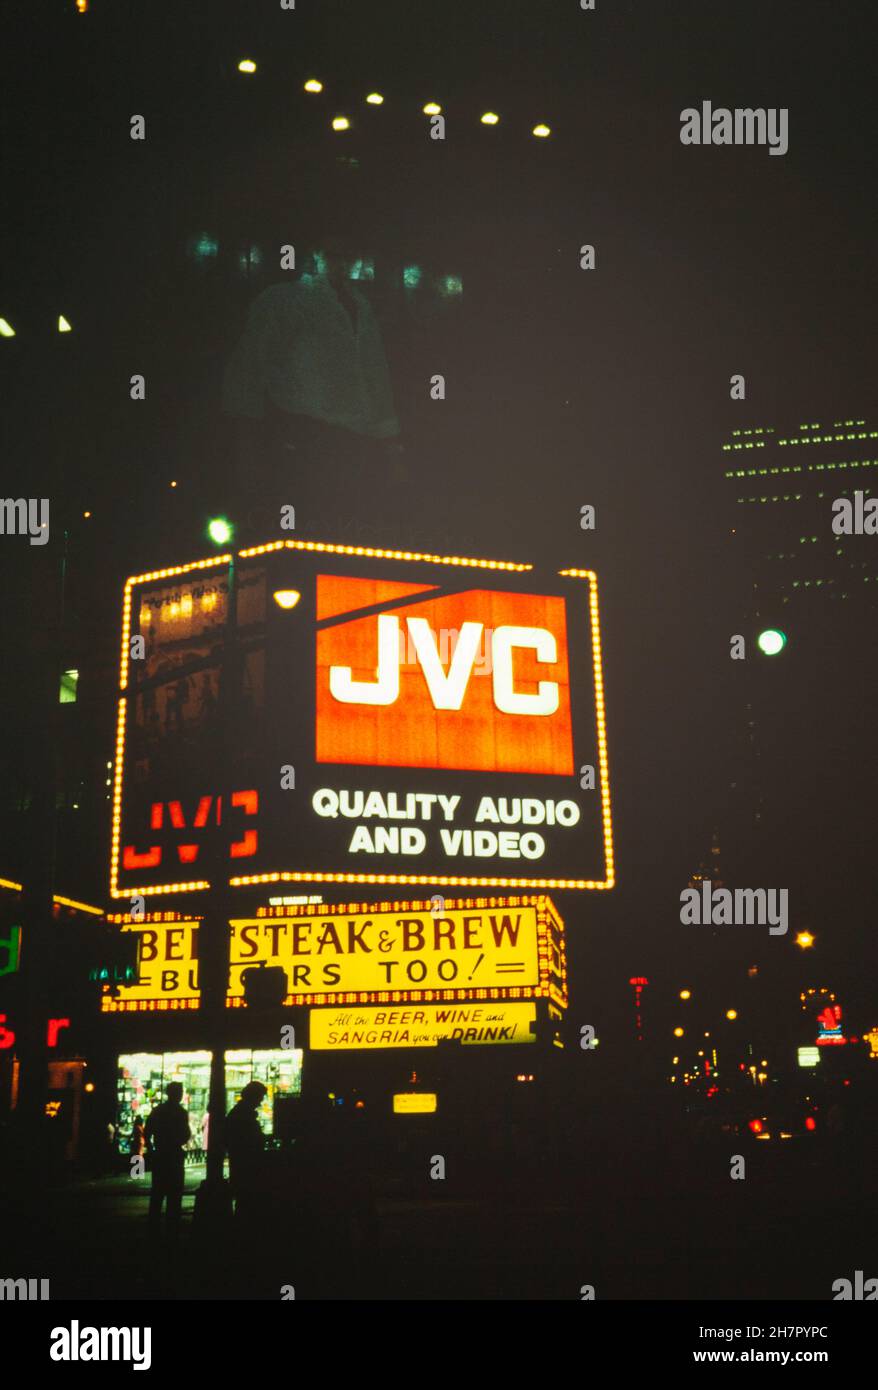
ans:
(67, 691)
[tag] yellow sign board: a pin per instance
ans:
(473, 950)
(167, 964)
(421, 1025)
(415, 1103)
(332, 955)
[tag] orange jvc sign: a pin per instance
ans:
(476, 680)
(399, 718)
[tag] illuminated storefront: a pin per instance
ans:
(143, 1079)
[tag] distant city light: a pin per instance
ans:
(220, 530)
(82, 6)
(685, 994)
(411, 276)
(312, 85)
(809, 1056)
(246, 65)
(678, 1032)
(63, 325)
(805, 940)
(771, 641)
(432, 108)
(490, 118)
(341, 123)
(375, 99)
(6, 329)
(731, 1013)
(541, 131)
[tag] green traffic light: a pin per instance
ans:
(771, 641)
(220, 530)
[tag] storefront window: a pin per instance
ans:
(143, 1078)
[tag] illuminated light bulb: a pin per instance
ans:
(771, 641)
(805, 940)
(220, 530)
(6, 329)
(685, 994)
(731, 1014)
(432, 108)
(246, 65)
(541, 131)
(86, 514)
(490, 118)
(678, 1032)
(313, 85)
(63, 325)
(341, 123)
(375, 99)
(286, 598)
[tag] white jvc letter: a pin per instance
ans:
(448, 688)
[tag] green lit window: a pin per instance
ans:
(67, 690)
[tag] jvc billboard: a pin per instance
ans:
(396, 718)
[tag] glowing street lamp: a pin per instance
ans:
(685, 994)
(313, 85)
(375, 99)
(805, 940)
(341, 123)
(771, 641)
(286, 598)
(731, 1014)
(541, 131)
(432, 108)
(246, 65)
(678, 1032)
(490, 118)
(220, 530)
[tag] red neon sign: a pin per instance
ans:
(246, 801)
(53, 1028)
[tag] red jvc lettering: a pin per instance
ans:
(187, 853)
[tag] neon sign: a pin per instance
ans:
(458, 702)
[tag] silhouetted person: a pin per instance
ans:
(245, 1144)
(167, 1132)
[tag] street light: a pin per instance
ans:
(771, 641)
(685, 994)
(220, 530)
(286, 598)
(805, 940)
(731, 1014)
